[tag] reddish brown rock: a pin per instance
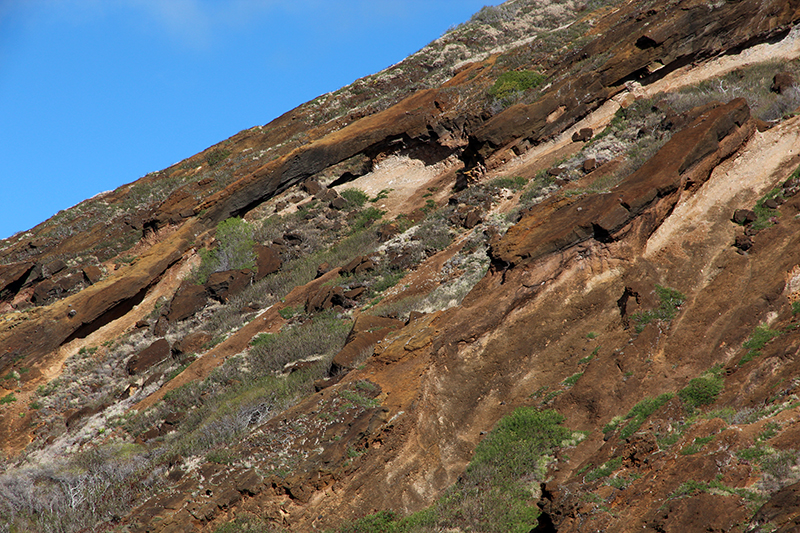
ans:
(782, 82)
(312, 187)
(583, 135)
(191, 343)
(188, 300)
(93, 274)
(744, 216)
(366, 332)
(589, 164)
(268, 261)
(13, 276)
(157, 352)
(358, 265)
(222, 285)
(46, 291)
(326, 297)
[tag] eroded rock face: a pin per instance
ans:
(685, 161)
(572, 270)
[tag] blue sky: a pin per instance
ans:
(97, 93)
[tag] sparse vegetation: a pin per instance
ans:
(671, 301)
(757, 340)
(637, 415)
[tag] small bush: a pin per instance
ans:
(511, 83)
(217, 156)
(356, 198)
(234, 250)
(604, 470)
(573, 379)
(516, 183)
(8, 398)
(757, 340)
(701, 391)
(696, 445)
(641, 411)
(366, 217)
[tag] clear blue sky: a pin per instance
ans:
(97, 93)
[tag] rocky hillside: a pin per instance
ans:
(543, 275)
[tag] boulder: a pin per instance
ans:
(93, 274)
(191, 343)
(781, 82)
(12, 276)
(744, 216)
(45, 291)
(358, 265)
(583, 135)
(387, 231)
(68, 283)
(312, 187)
(327, 195)
(338, 203)
(743, 242)
(157, 352)
(53, 267)
(326, 297)
(589, 164)
(222, 285)
(292, 239)
(188, 300)
(268, 261)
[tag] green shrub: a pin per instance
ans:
(701, 391)
(671, 300)
(757, 340)
(356, 198)
(513, 82)
(604, 470)
(796, 308)
(573, 379)
(234, 250)
(366, 217)
(8, 398)
(764, 215)
(641, 411)
(696, 445)
(494, 493)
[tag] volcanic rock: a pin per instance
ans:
(154, 354)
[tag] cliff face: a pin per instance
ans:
(615, 239)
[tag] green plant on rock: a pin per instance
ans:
(604, 470)
(702, 390)
(757, 340)
(671, 300)
(509, 84)
(639, 413)
(356, 198)
(234, 250)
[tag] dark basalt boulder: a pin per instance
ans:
(157, 352)
(268, 261)
(188, 300)
(223, 285)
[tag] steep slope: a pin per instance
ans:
(623, 296)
